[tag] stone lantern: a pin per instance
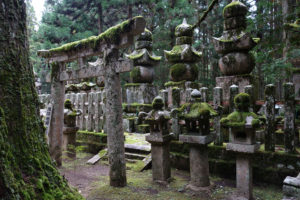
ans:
(160, 140)
(197, 134)
(70, 129)
(242, 124)
(234, 45)
(183, 58)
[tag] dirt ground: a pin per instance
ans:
(93, 183)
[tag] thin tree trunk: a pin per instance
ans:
(100, 18)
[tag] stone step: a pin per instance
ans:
(130, 160)
(138, 149)
(134, 156)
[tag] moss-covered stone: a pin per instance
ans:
(184, 29)
(110, 36)
(135, 75)
(234, 9)
(158, 103)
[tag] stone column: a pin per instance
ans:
(244, 176)
(175, 120)
(114, 120)
(57, 122)
(160, 153)
(250, 90)
(204, 94)
(217, 102)
(233, 91)
(69, 141)
(199, 167)
(164, 95)
(270, 118)
(289, 117)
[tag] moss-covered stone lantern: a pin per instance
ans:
(196, 115)
(144, 59)
(183, 56)
(242, 124)
(159, 138)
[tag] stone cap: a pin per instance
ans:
(243, 148)
(234, 9)
(197, 139)
(184, 29)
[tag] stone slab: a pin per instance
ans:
(290, 191)
(197, 139)
(147, 162)
(292, 181)
(156, 139)
(143, 148)
(242, 148)
(241, 81)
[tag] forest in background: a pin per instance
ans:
(69, 20)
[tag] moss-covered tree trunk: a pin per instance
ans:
(26, 170)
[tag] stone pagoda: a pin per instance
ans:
(183, 58)
(141, 90)
(234, 45)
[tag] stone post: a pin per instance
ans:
(217, 103)
(289, 117)
(164, 94)
(56, 126)
(250, 90)
(244, 176)
(175, 120)
(233, 91)
(204, 94)
(270, 118)
(114, 120)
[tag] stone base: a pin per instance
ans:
(197, 139)
(242, 148)
(156, 139)
(142, 93)
(207, 189)
(240, 80)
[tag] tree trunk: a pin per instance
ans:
(26, 169)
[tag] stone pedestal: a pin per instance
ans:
(160, 152)
(69, 141)
(142, 93)
(199, 166)
(240, 80)
(244, 176)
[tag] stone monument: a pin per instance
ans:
(70, 129)
(234, 45)
(197, 134)
(141, 90)
(242, 124)
(183, 58)
(160, 140)
(291, 188)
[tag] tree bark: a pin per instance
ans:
(26, 170)
(100, 18)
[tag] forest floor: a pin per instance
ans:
(92, 181)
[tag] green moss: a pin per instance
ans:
(238, 119)
(236, 4)
(174, 84)
(177, 71)
(294, 70)
(135, 74)
(110, 36)
(68, 104)
(184, 30)
(184, 40)
(132, 84)
(200, 109)
(158, 103)
(256, 40)
(242, 102)
(137, 54)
